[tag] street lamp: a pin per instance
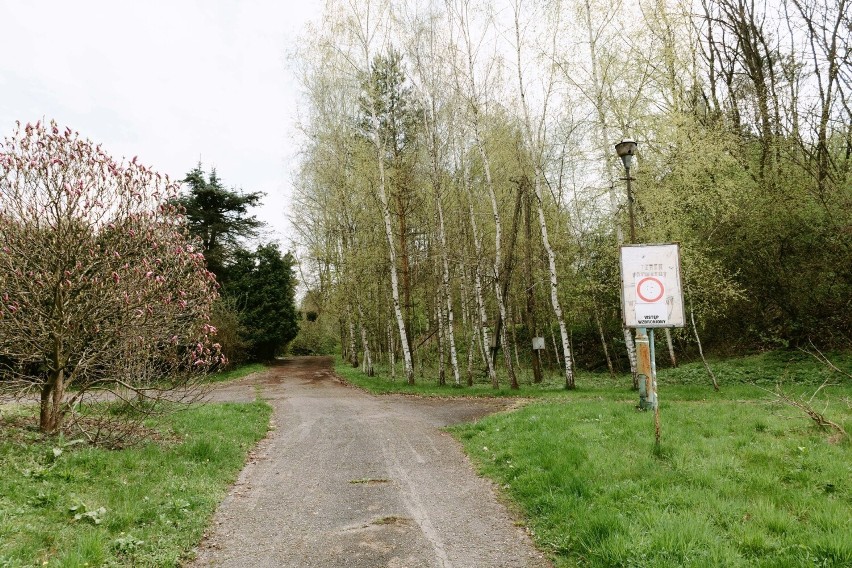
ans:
(626, 150)
(646, 375)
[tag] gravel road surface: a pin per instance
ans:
(347, 479)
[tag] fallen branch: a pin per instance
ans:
(818, 417)
(820, 356)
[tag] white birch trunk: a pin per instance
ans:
(555, 347)
(535, 148)
(367, 363)
(441, 340)
(615, 198)
(391, 352)
(397, 307)
(554, 286)
(353, 348)
(445, 284)
(365, 35)
(468, 320)
(498, 235)
(670, 345)
(477, 288)
(460, 12)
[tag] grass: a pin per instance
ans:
(70, 505)
(236, 373)
(792, 369)
(739, 480)
(742, 482)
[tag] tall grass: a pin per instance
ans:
(736, 482)
(71, 505)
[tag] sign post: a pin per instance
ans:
(651, 297)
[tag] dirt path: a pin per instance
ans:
(347, 479)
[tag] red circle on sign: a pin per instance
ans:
(649, 279)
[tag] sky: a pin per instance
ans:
(173, 82)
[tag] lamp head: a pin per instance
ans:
(626, 150)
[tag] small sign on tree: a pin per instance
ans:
(651, 291)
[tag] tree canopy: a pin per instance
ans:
(103, 288)
(256, 316)
(219, 216)
(262, 284)
(458, 173)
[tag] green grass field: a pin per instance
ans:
(73, 506)
(789, 368)
(236, 372)
(739, 480)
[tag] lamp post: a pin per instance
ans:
(625, 150)
(645, 372)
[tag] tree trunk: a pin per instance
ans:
(477, 287)
(442, 376)
(631, 356)
(353, 349)
(529, 315)
(391, 352)
(554, 290)
(603, 341)
(534, 147)
(503, 291)
(511, 324)
(405, 264)
(606, 152)
(50, 407)
(671, 347)
(468, 320)
(555, 347)
(368, 360)
(470, 352)
(397, 308)
(499, 333)
(701, 352)
(445, 285)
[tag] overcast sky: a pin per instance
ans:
(173, 82)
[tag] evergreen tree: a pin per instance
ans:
(263, 285)
(218, 216)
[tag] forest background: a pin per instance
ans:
(459, 190)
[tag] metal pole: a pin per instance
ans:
(643, 368)
(655, 403)
(630, 206)
(645, 377)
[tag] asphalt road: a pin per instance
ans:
(347, 479)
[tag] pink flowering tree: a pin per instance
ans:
(103, 295)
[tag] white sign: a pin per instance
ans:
(651, 291)
(538, 343)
